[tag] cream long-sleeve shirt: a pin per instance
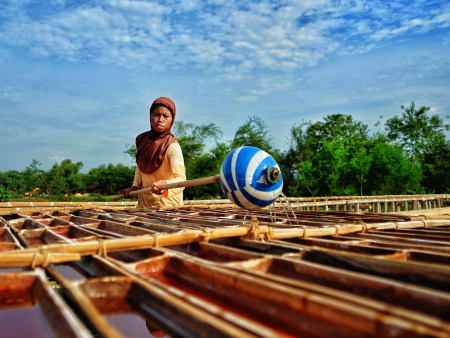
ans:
(172, 170)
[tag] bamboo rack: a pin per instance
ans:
(219, 269)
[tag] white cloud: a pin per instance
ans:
(212, 34)
(247, 99)
(57, 159)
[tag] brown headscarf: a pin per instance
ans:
(151, 145)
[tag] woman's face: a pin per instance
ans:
(161, 119)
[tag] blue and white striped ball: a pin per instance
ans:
(244, 181)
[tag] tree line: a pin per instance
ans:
(334, 157)
(64, 180)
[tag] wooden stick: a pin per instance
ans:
(188, 183)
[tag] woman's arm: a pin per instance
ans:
(137, 178)
(176, 161)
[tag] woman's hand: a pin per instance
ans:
(126, 192)
(155, 189)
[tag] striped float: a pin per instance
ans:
(244, 181)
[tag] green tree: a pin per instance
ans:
(253, 133)
(360, 163)
(111, 178)
(306, 181)
(391, 171)
(436, 169)
(415, 130)
(192, 139)
(5, 195)
(57, 184)
(336, 128)
(332, 162)
(208, 164)
(350, 140)
(324, 175)
(329, 157)
(64, 178)
(34, 176)
(423, 138)
(298, 151)
(14, 182)
(130, 151)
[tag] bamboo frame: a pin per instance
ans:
(255, 231)
(358, 273)
(350, 203)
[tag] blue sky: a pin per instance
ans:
(77, 77)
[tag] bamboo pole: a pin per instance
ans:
(45, 254)
(188, 183)
(428, 212)
(34, 258)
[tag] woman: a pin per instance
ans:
(159, 158)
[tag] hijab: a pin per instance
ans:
(151, 145)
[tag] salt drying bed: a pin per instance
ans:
(203, 271)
